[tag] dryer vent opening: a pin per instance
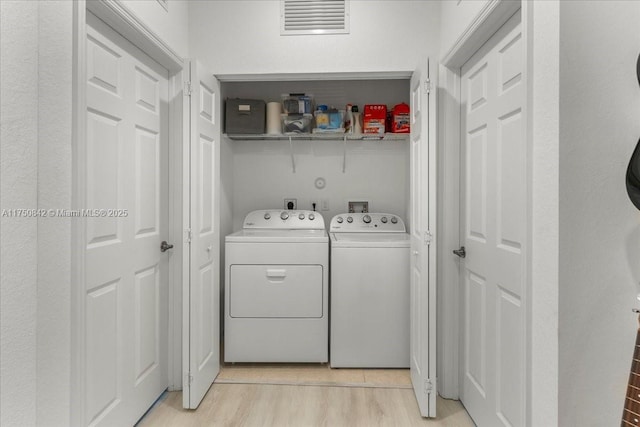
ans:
(299, 17)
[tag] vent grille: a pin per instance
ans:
(314, 17)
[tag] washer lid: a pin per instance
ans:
(370, 240)
(278, 236)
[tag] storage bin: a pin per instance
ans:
(329, 120)
(296, 123)
(245, 116)
(297, 103)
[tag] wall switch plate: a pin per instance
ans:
(324, 205)
(291, 204)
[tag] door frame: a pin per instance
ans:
(492, 16)
(134, 30)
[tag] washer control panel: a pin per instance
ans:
(284, 219)
(367, 223)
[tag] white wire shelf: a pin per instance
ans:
(320, 137)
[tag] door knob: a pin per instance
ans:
(460, 252)
(164, 246)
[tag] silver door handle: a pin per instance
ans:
(164, 246)
(460, 252)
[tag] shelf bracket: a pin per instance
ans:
(293, 159)
(344, 154)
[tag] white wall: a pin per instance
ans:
(36, 173)
(54, 192)
(238, 37)
(170, 25)
(36, 168)
(599, 228)
(19, 187)
(263, 177)
(541, 25)
(376, 171)
(455, 18)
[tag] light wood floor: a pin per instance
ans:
(301, 396)
(312, 374)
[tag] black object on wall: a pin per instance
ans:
(638, 69)
(633, 170)
(633, 177)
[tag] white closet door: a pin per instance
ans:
(493, 229)
(422, 225)
(201, 357)
(125, 318)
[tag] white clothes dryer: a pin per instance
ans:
(276, 288)
(369, 291)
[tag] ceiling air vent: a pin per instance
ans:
(314, 17)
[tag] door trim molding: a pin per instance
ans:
(493, 15)
(116, 15)
(78, 234)
(121, 19)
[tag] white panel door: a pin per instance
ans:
(201, 357)
(422, 224)
(493, 228)
(125, 316)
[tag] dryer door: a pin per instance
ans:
(276, 291)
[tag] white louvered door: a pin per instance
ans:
(125, 318)
(493, 230)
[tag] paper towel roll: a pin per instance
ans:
(274, 125)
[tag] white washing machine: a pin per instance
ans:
(276, 288)
(369, 291)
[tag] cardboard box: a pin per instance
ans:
(374, 119)
(401, 119)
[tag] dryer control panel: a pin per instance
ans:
(273, 219)
(367, 223)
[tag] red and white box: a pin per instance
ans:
(374, 119)
(401, 119)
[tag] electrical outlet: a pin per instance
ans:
(314, 205)
(324, 205)
(291, 204)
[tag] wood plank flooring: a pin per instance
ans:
(313, 374)
(300, 396)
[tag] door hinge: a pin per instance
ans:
(427, 85)
(429, 386)
(187, 88)
(428, 237)
(187, 235)
(188, 378)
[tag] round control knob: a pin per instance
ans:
(267, 216)
(366, 219)
(284, 216)
(312, 217)
(301, 216)
(339, 220)
(349, 219)
(383, 219)
(394, 220)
